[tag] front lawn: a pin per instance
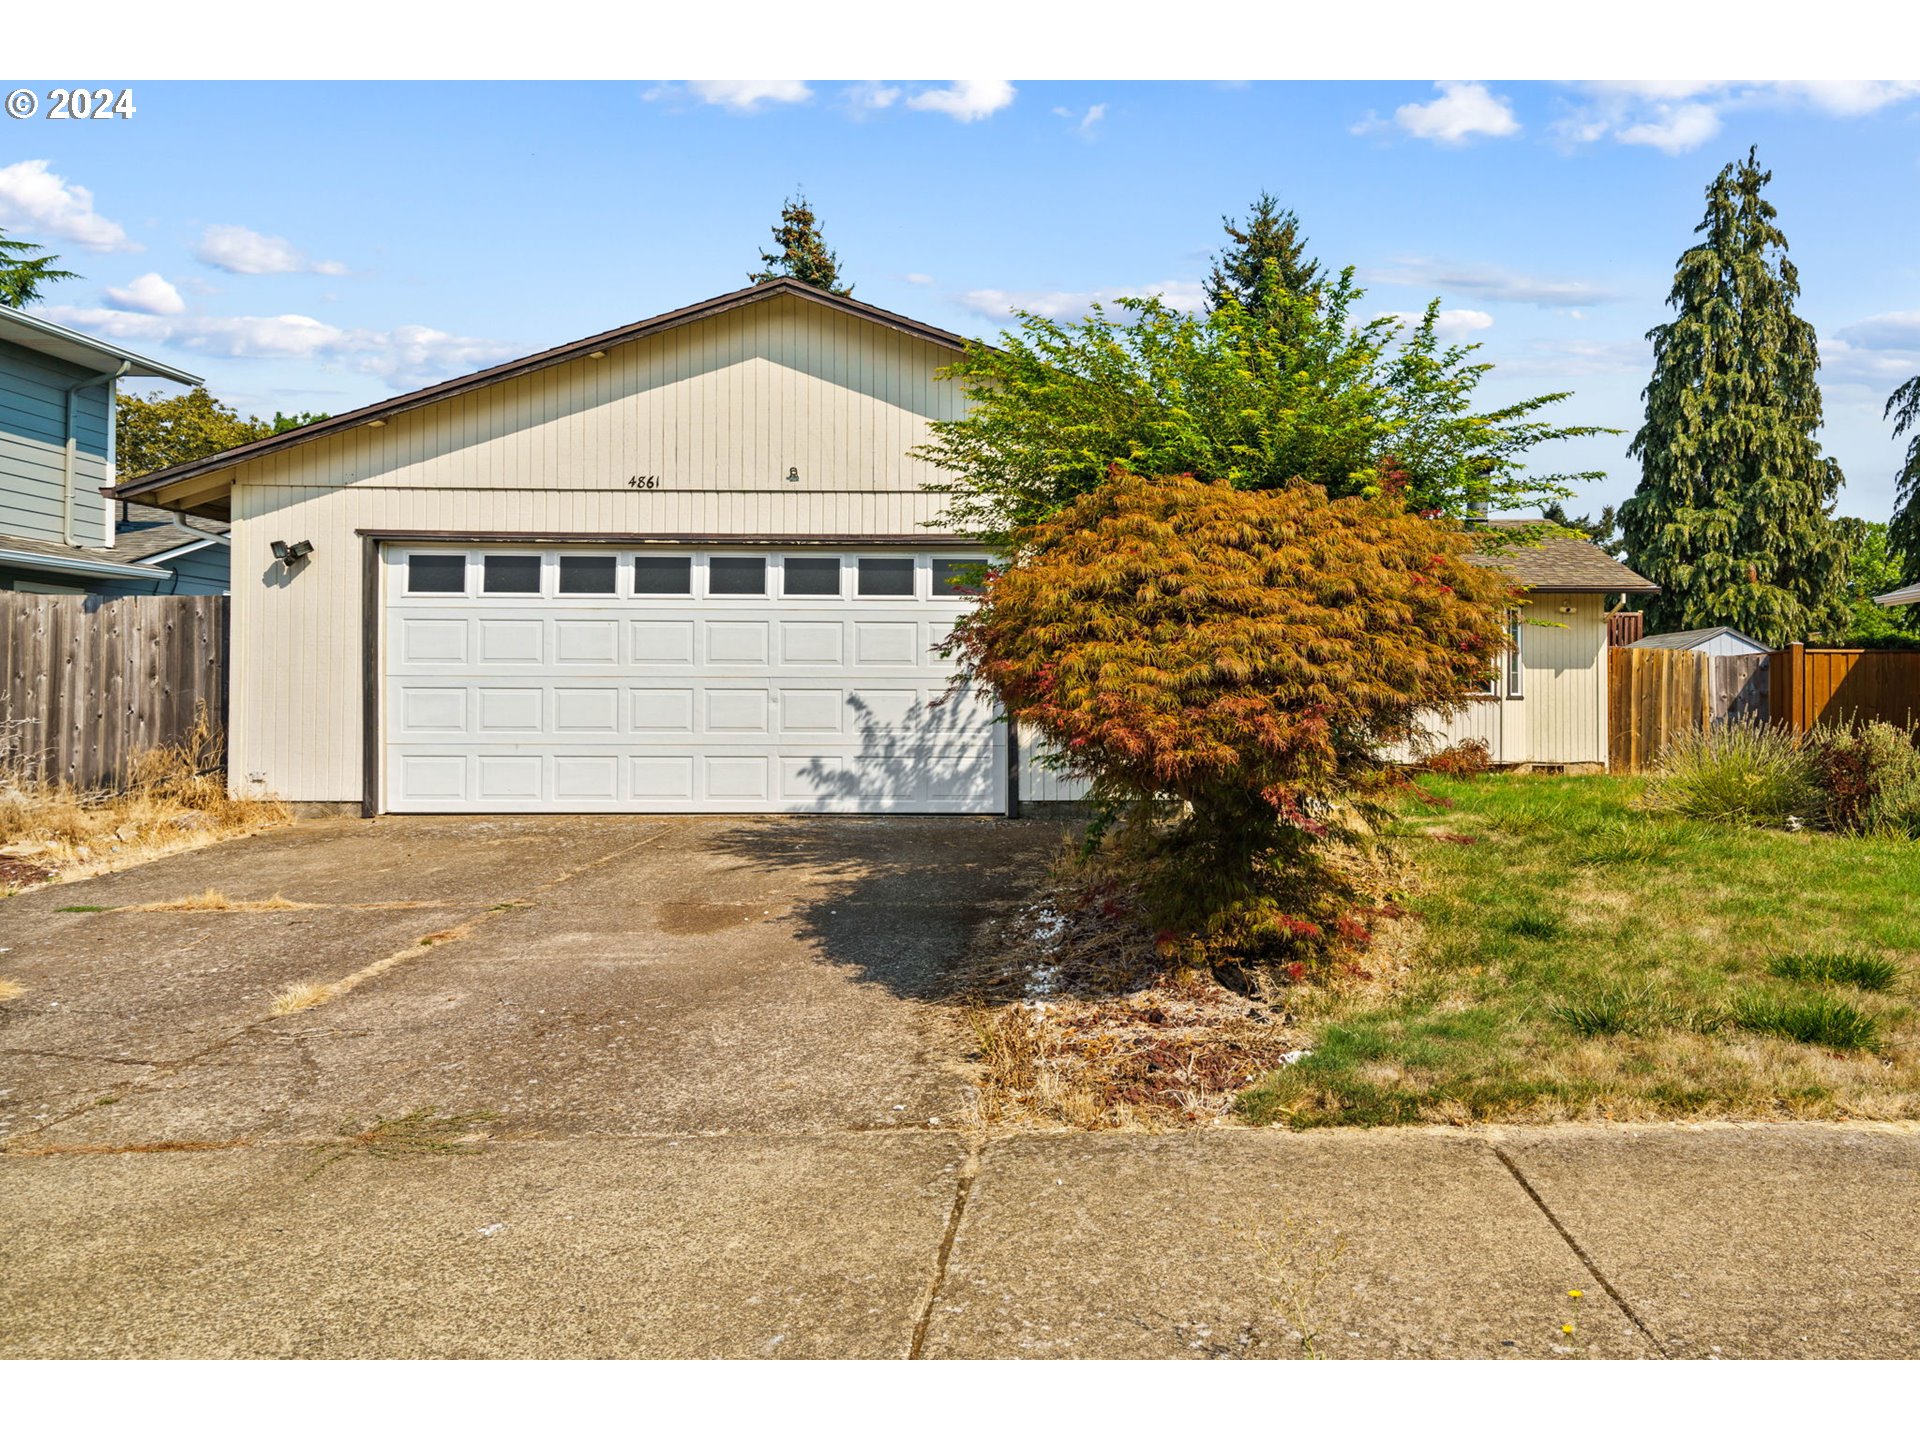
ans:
(1576, 958)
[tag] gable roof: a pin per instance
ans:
(1905, 595)
(30, 332)
(1688, 639)
(1565, 563)
(527, 365)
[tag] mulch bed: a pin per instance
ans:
(18, 874)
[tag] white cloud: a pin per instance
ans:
(1561, 359)
(406, 356)
(1084, 121)
(965, 100)
(1676, 129)
(1071, 304)
(1882, 351)
(35, 200)
(150, 294)
(916, 278)
(240, 251)
(750, 95)
(1452, 324)
(1679, 115)
(871, 95)
(1465, 109)
(1490, 282)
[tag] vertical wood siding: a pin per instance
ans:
(719, 411)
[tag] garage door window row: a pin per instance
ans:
(509, 574)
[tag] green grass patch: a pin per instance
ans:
(82, 909)
(1589, 958)
(1827, 967)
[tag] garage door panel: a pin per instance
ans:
(654, 702)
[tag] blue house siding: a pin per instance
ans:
(33, 417)
(200, 572)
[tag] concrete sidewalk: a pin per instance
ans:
(1790, 1240)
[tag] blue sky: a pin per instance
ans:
(319, 246)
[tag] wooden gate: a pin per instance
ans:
(86, 683)
(1652, 697)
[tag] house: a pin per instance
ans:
(1905, 595)
(1715, 640)
(685, 565)
(59, 534)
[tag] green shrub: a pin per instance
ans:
(1812, 1020)
(1837, 967)
(1632, 1010)
(1743, 771)
(1869, 776)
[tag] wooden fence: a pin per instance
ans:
(1625, 626)
(86, 683)
(1820, 685)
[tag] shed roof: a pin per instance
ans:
(1565, 563)
(1905, 595)
(1692, 639)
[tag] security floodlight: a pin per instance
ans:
(291, 554)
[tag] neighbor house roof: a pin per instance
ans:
(145, 537)
(1565, 563)
(1690, 639)
(30, 332)
(1905, 595)
(559, 355)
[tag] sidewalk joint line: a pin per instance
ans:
(1587, 1260)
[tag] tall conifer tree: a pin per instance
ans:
(802, 253)
(1733, 516)
(1268, 236)
(24, 269)
(1903, 535)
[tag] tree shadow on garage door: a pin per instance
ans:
(905, 755)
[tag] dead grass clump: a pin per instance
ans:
(11, 990)
(308, 994)
(419, 1132)
(175, 798)
(213, 900)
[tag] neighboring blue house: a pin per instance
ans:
(59, 535)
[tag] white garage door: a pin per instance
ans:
(570, 679)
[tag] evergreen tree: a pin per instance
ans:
(1903, 535)
(802, 254)
(24, 269)
(1604, 532)
(1267, 259)
(1733, 516)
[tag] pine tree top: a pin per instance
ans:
(801, 252)
(24, 268)
(1268, 237)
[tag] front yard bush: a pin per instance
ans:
(1232, 670)
(1869, 776)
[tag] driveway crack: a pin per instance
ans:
(1592, 1267)
(969, 1168)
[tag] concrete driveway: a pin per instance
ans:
(697, 1087)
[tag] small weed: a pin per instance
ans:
(1535, 925)
(108, 1100)
(1812, 1020)
(11, 989)
(1631, 1010)
(510, 905)
(1296, 1264)
(300, 997)
(1838, 967)
(419, 1132)
(82, 909)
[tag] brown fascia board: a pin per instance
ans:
(513, 369)
(928, 540)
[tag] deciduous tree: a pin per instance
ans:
(160, 430)
(1232, 668)
(1733, 516)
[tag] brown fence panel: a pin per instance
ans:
(1833, 685)
(87, 683)
(1626, 626)
(1653, 697)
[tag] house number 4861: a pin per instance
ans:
(643, 482)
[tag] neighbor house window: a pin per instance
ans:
(437, 574)
(810, 575)
(1514, 668)
(887, 576)
(663, 575)
(512, 575)
(587, 574)
(959, 577)
(737, 575)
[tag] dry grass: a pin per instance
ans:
(417, 1133)
(175, 799)
(309, 993)
(213, 900)
(11, 990)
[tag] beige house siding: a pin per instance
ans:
(719, 411)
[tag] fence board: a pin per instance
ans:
(87, 683)
(1832, 685)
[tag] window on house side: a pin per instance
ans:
(1514, 668)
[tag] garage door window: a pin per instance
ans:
(886, 576)
(959, 577)
(662, 575)
(512, 575)
(437, 574)
(587, 574)
(810, 575)
(737, 575)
